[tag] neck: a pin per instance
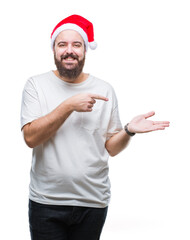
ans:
(81, 78)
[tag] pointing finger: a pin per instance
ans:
(99, 97)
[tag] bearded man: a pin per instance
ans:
(71, 120)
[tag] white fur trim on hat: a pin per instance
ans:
(70, 26)
(93, 45)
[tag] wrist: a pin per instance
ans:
(126, 128)
(68, 105)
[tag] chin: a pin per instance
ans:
(69, 66)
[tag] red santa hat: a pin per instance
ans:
(79, 24)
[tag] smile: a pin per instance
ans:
(69, 60)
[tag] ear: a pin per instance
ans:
(85, 51)
(53, 49)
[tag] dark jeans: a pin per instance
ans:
(50, 222)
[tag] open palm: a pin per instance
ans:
(140, 124)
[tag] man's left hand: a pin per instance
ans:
(140, 124)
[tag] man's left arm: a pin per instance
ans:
(139, 124)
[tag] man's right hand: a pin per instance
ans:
(84, 102)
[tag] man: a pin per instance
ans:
(71, 121)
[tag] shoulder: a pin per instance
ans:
(41, 77)
(33, 81)
(105, 89)
(102, 83)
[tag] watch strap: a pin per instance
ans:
(127, 131)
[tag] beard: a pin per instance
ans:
(70, 73)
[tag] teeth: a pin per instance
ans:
(70, 59)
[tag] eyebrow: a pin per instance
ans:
(78, 42)
(66, 42)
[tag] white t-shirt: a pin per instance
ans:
(71, 168)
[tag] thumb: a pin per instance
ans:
(149, 114)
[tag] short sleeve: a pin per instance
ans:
(30, 106)
(115, 123)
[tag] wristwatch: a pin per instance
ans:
(127, 131)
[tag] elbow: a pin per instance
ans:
(28, 137)
(112, 154)
(29, 142)
(111, 151)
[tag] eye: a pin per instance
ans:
(62, 44)
(77, 45)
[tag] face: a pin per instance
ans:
(69, 54)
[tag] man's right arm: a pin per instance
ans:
(43, 128)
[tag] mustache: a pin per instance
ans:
(69, 55)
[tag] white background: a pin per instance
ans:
(144, 52)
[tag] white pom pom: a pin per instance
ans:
(93, 45)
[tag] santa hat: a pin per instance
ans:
(79, 24)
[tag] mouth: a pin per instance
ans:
(69, 58)
(69, 61)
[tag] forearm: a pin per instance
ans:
(42, 129)
(117, 143)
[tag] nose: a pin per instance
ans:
(69, 48)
